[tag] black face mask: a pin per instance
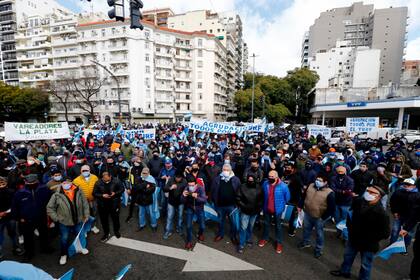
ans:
(255, 168)
(271, 180)
(194, 170)
(251, 184)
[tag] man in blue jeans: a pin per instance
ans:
(194, 198)
(223, 194)
(319, 205)
(174, 188)
(368, 225)
(343, 186)
(276, 195)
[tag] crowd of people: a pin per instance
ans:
(52, 187)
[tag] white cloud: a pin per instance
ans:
(278, 40)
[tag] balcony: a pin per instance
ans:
(183, 90)
(34, 69)
(185, 57)
(114, 48)
(182, 79)
(66, 65)
(183, 67)
(164, 65)
(65, 30)
(160, 88)
(184, 46)
(32, 47)
(56, 43)
(183, 100)
(163, 54)
(87, 50)
(118, 60)
(160, 77)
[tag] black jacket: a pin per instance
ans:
(368, 225)
(6, 198)
(295, 185)
(402, 201)
(174, 198)
(250, 199)
(102, 188)
(361, 180)
(143, 193)
(155, 165)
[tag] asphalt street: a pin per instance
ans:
(104, 260)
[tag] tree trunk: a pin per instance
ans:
(66, 113)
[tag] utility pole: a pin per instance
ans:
(253, 86)
(118, 87)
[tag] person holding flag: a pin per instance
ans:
(368, 225)
(318, 202)
(68, 207)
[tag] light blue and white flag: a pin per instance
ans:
(287, 213)
(78, 134)
(68, 275)
(119, 129)
(395, 248)
(210, 213)
(79, 242)
(124, 198)
(342, 226)
(299, 219)
(123, 271)
(235, 217)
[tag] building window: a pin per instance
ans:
(200, 64)
(147, 69)
(147, 57)
(103, 33)
(200, 42)
(200, 85)
(146, 45)
(200, 53)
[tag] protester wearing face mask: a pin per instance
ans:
(318, 203)
(74, 171)
(174, 188)
(145, 200)
(367, 226)
(254, 170)
(29, 209)
(110, 167)
(402, 203)
(6, 221)
(223, 194)
(86, 182)
(56, 179)
(155, 164)
(362, 178)
(107, 193)
(69, 208)
(193, 198)
(134, 180)
(400, 169)
(414, 160)
(250, 199)
(382, 178)
(343, 187)
(276, 195)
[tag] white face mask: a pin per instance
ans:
(319, 184)
(369, 197)
(66, 186)
(381, 169)
(226, 174)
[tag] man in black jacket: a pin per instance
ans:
(174, 189)
(295, 184)
(367, 226)
(107, 192)
(144, 198)
(362, 178)
(249, 198)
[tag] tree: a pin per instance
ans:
(277, 112)
(20, 104)
(243, 100)
(62, 92)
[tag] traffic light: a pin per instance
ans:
(117, 10)
(135, 14)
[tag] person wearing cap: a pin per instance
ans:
(109, 166)
(56, 179)
(223, 194)
(367, 226)
(382, 178)
(86, 183)
(343, 187)
(193, 197)
(174, 188)
(74, 171)
(249, 199)
(127, 149)
(107, 192)
(29, 209)
(145, 200)
(318, 201)
(6, 221)
(362, 178)
(167, 172)
(402, 201)
(69, 208)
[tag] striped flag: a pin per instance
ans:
(68, 275)
(124, 198)
(123, 271)
(78, 134)
(210, 213)
(395, 248)
(299, 219)
(287, 213)
(79, 242)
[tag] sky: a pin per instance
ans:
(273, 29)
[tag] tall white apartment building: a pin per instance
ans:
(162, 74)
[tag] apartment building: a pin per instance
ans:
(362, 25)
(158, 17)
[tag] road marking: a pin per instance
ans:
(202, 258)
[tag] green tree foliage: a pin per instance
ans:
(279, 95)
(20, 104)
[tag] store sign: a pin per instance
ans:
(356, 104)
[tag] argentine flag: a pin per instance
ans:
(342, 226)
(123, 271)
(79, 242)
(119, 129)
(68, 275)
(235, 217)
(210, 213)
(287, 213)
(78, 134)
(124, 198)
(299, 219)
(395, 248)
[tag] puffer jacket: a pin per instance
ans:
(281, 196)
(250, 199)
(68, 213)
(86, 186)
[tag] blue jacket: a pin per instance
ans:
(343, 187)
(30, 205)
(165, 172)
(281, 196)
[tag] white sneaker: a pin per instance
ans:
(20, 239)
(63, 260)
(84, 251)
(95, 230)
(36, 232)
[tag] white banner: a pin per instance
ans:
(146, 134)
(35, 131)
(361, 124)
(319, 129)
(224, 128)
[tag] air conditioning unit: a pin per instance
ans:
(134, 109)
(140, 110)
